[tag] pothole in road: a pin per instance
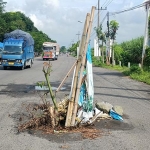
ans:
(25, 90)
(45, 88)
(105, 126)
(17, 90)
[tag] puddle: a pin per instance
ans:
(45, 88)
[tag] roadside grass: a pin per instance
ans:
(134, 72)
(143, 77)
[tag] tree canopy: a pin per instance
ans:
(114, 25)
(63, 49)
(10, 21)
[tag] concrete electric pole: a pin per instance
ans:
(146, 36)
(98, 13)
(108, 53)
(98, 24)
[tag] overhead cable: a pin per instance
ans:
(135, 7)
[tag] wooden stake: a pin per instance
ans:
(70, 106)
(82, 68)
(67, 75)
(51, 111)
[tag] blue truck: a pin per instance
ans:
(18, 50)
(1, 50)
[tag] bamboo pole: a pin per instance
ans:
(82, 68)
(71, 102)
(67, 75)
(51, 111)
(70, 106)
(47, 73)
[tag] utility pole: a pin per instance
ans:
(98, 23)
(108, 22)
(98, 14)
(108, 39)
(146, 36)
(98, 26)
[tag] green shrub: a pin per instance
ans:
(135, 69)
(126, 72)
(143, 77)
(97, 61)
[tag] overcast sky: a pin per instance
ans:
(59, 18)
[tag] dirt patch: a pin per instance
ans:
(35, 126)
(64, 135)
(61, 134)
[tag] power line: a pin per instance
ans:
(109, 3)
(93, 34)
(103, 19)
(106, 13)
(104, 3)
(132, 8)
(113, 13)
(95, 18)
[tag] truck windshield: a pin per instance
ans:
(12, 50)
(47, 48)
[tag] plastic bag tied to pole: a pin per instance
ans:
(87, 88)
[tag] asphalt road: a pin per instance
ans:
(17, 88)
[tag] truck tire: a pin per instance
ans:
(30, 64)
(23, 67)
(5, 67)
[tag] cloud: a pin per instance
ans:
(131, 25)
(59, 23)
(59, 18)
(36, 21)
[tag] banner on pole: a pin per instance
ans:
(87, 89)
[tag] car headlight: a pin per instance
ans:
(19, 60)
(4, 60)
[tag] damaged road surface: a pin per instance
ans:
(17, 90)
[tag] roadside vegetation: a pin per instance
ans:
(135, 72)
(126, 57)
(10, 21)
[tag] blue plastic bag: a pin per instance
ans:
(114, 115)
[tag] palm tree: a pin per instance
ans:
(113, 31)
